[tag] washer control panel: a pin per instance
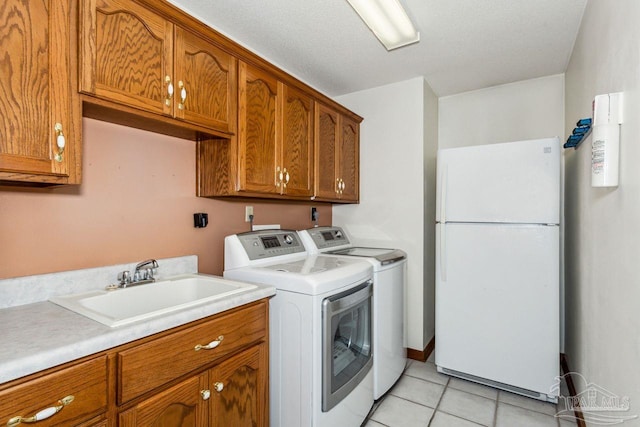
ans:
(328, 237)
(270, 243)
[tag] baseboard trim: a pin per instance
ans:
(577, 412)
(422, 355)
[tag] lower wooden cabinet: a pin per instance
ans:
(233, 393)
(145, 367)
(182, 405)
(226, 384)
(239, 388)
(230, 389)
(68, 397)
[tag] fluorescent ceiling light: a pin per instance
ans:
(388, 21)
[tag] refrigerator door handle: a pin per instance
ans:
(443, 252)
(443, 195)
(443, 223)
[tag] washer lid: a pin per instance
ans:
(314, 275)
(384, 255)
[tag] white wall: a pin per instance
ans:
(528, 109)
(431, 113)
(391, 213)
(603, 225)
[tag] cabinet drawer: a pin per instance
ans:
(150, 365)
(86, 382)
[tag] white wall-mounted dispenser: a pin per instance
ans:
(605, 140)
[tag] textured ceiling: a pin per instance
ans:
(465, 44)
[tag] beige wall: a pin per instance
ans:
(136, 201)
(603, 225)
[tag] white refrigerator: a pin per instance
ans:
(498, 265)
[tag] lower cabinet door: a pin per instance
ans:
(183, 405)
(239, 390)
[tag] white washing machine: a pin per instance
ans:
(320, 328)
(389, 275)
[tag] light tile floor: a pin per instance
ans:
(424, 397)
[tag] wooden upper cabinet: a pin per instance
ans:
(337, 156)
(258, 133)
(38, 107)
(327, 132)
(126, 55)
(206, 76)
(297, 143)
(275, 136)
(349, 161)
(135, 57)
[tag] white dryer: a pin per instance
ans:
(389, 275)
(320, 328)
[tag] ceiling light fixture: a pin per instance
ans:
(388, 21)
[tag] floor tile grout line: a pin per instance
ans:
(461, 418)
(446, 386)
(412, 401)
(466, 419)
(444, 390)
(477, 394)
(424, 379)
(495, 412)
(377, 403)
(528, 409)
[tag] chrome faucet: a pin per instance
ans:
(141, 275)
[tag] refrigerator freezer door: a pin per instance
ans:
(515, 182)
(497, 312)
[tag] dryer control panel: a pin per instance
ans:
(270, 243)
(328, 237)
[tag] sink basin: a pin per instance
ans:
(122, 306)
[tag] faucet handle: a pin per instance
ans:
(124, 277)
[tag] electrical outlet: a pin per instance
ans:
(248, 210)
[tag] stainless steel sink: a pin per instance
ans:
(122, 306)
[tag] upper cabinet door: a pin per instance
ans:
(348, 170)
(260, 166)
(337, 156)
(206, 85)
(297, 143)
(39, 120)
(326, 159)
(126, 55)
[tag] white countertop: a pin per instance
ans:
(42, 335)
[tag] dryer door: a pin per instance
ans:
(346, 342)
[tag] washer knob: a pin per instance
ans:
(288, 239)
(338, 234)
